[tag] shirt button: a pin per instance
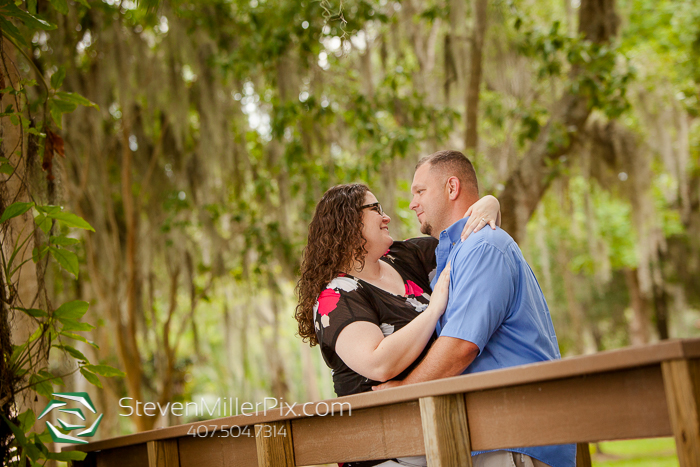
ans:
(453, 243)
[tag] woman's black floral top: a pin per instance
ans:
(347, 299)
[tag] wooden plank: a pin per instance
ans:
(583, 455)
(377, 433)
(163, 453)
(614, 360)
(274, 444)
(618, 405)
(236, 448)
(682, 381)
(445, 431)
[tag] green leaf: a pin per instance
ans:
(71, 220)
(31, 21)
(91, 377)
(43, 223)
(72, 351)
(14, 210)
(53, 379)
(48, 208)
(38, 332)
(36, 313)
(84, 3)
(64, 106)
(73, 325)
(42, 439)
(71, 310)
(63, 241)
(17, 350)
(7, 169)
(9, 29)
(4, 160)
(39, 253)
(75, 98)
(66, 456)
(33, 453)
(78, 337)
(31, 6)
(60, 5)
(17, 431)
(55, 113)
(40, 386)
(58, 77)
(67, 259)
(26, 420)
(104, 370)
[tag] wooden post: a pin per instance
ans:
(274, 444)
(682, 384)
(446, 431)
(163, 453)
(583, 455)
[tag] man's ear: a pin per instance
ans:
(453, 188)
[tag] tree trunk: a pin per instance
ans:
(639, 324)
(472, 95)
(660, 295)
(532, 176)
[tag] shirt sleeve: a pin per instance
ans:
(337, 308)
(482, 286)
(424, 249)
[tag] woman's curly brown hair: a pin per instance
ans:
(335, 242)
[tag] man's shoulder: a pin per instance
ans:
(497, 239)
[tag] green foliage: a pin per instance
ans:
(27, 365)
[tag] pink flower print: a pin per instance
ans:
(327, 302)
(413, 289)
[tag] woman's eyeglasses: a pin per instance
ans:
(376, 207)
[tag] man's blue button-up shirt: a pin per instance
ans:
(496, 303)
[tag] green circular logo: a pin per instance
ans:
(81, 398)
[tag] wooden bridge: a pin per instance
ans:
(636, 392)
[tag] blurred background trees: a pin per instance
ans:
(221, 123)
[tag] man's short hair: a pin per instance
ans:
(453, 163)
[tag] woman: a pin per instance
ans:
(365, 297)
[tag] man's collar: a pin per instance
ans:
(454, 231)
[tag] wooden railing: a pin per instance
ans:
(636, 392)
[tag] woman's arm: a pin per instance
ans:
(363, 347)
(485, 211)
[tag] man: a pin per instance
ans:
(496, 316)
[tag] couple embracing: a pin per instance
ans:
(388, 313)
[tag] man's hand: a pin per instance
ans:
(387, 385)
(486, 211)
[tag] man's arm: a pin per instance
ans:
(447, 357)
(482, 287)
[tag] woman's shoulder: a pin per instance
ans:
(343, 284)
